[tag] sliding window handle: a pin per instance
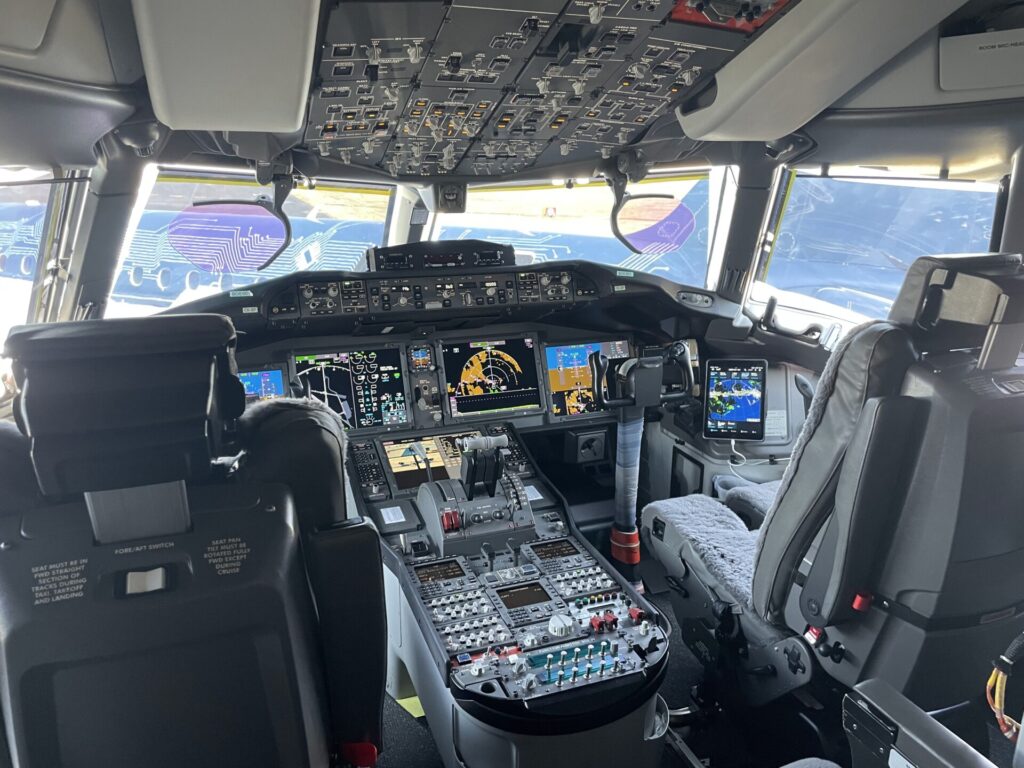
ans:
(767, 323)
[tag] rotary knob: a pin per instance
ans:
(332, 289)
(307, 292)
(560, 625)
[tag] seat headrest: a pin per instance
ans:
(122, 403)
(964, 302)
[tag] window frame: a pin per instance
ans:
(719, 213)
(811, 310)
(190, 174)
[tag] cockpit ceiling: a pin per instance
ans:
(426, 89)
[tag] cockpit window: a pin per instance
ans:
(553, 222)
(840, 246)
(24, 204)
(332, 226)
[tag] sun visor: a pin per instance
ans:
(232, 65)
(806, 61)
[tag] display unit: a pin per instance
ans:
(734, 404)
(365, 387)
(266, 383)
(491, 376)
(407, 459)
(567, 368)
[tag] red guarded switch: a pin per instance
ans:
(597, 623)
(637, 615)
(611, 621)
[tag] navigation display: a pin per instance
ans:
(491, 376)
(569, 374)
(734, 400)
(406, 458)
(365, 388)
(263, 385)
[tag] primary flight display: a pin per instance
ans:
(568, 368)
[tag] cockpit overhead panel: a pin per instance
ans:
(424, 89)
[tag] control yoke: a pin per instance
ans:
(483, 463)
(636, 384)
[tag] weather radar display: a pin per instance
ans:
(569, 376)
(365, 388)
(734, 400)
(491, 376)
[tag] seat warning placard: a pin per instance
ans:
(59, 582)
(226, 555)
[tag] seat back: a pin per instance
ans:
(917, 557)
(869, 362)
(154, 611)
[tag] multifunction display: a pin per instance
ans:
(414, 461)
(442, 571)
(569, 378)
(523, 595)
(483, 377)
(364, 387)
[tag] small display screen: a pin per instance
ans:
(569, 374)
(523, 595)
(491, 376)
(421, 358)
(409, 458)
(364, 387)
(263, 385)
(554, 549)
(734, 400)
(449, 569)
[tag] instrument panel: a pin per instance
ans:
(448, 380)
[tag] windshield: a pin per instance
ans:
(332, 226)
(23, 216)
(847, 242)
(554, 223)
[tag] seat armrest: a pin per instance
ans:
(886, 729)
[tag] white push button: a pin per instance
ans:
(141, 582)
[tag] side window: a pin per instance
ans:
(840, 246)
(557, 223)
(24, 206)
(332, 226)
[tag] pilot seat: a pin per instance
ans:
(894, 548)
(156, 605)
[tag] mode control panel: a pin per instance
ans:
(404, 294)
